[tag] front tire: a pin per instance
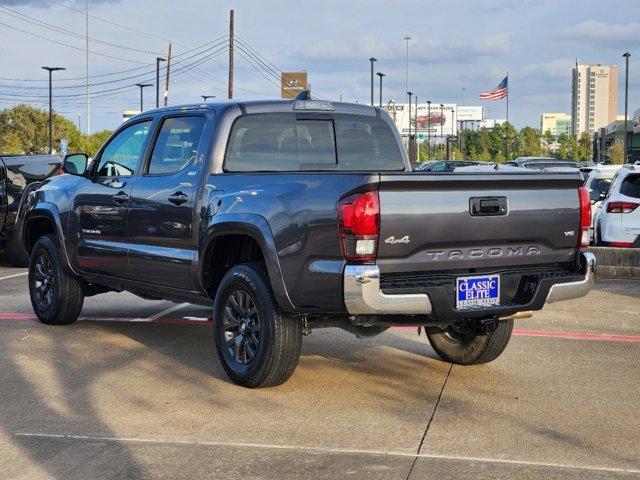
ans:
(463, 344)
(257, 343)
(56, 296)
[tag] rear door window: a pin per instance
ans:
(599, 186)
(631, 186)
(280, 142)
(176, 146)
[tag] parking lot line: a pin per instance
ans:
(14, 276)
(579, 336)
(324, 450)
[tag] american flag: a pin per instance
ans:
(497, 93)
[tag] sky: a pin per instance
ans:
(455, 45)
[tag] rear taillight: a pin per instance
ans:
(621, 207)
(359, 226)
(620, 244)
(585, 218)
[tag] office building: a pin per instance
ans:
(594, 97)
(556, 123)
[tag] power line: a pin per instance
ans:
(41, 23)
(67, 45)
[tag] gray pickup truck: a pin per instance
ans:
(287, 216)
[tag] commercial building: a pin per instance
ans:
(614, 132)
(594, 97)
(556, 123)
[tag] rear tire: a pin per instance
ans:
(16, 253)
(257, 343)
(56, 296)
(463, 345)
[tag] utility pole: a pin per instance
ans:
(86, 45)
(166, 89)
(463, 89)
(406, 78)
(372, 60)
(231, 39)
(380, 74)
(79, 122)
(415, 133)
(142, 86)
(51, 70)
(626, 105)
(441, 120)
(409, 143)
(158, 60)
(428, 130)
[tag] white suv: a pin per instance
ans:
(618, 223)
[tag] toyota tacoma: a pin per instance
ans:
(287, 216)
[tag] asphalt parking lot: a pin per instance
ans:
(134, 390)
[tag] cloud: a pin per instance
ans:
(421, 49)
(497, 6)
(554, 69)
(601, 32)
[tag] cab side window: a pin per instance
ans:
(120, 157)
(176, 145)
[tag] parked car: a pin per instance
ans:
(597, 184)
(540, 163)
(448, 165)
(19, 175)
(618, 220)
(288, 216)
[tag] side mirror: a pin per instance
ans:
(75, 164)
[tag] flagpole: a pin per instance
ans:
(506, 130)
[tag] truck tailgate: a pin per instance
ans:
(463, 222)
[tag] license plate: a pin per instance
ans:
(477, 291)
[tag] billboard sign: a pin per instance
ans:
(636, 121)
(292, 83)
(434, 121)
(470, 114)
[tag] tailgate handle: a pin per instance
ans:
(488, 206)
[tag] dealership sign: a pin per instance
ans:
(636, 121)
(292, 83)
(434, 121)
(470, 114)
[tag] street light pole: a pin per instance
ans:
(51, 70)
(372, 60)
(206, 97)
(406, 81)
(142, 86)
(380, 74)
(428, 130)
(158, 60)
(442, 120)
(626, 104)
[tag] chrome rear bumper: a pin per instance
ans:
(570, 290)
(363, 296)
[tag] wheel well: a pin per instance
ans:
(225, 252)
(36, 228)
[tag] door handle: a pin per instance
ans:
(178, 198)
(120, 198)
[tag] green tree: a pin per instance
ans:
(563, 146)
(25, 129)
(615, 152)
(574, 148)
(548, 141)
(529, 143)
(585, 146)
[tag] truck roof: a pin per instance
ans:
(314, 105)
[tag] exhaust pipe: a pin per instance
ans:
(518, 315)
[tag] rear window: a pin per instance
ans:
(631, 186)
(599, 186)
(280, 142)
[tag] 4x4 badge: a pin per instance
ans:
(392, 240)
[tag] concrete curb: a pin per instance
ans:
(617, 262)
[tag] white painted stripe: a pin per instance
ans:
(160, 314)
(326, 450)
(14, 276)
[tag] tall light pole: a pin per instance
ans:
(51, 70)
(428, 130)
(142, 86)
(626, 104)
(158, 60)
(463, 90)
(380, 74)
(406, 78)
(441, 120)
(372, 60)
(206, 97)
(409, 142)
